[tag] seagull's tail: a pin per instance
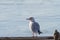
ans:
(39, 32)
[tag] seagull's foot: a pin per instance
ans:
(33, 36)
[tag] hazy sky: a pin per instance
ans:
(38, 8)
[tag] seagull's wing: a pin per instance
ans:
(35, 26)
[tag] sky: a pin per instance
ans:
(19, 8)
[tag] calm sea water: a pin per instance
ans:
(13, 14)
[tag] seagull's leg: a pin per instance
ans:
(36, 35)
(33, 34)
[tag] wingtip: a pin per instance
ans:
(40, 32)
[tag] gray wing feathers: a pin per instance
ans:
(35, 26)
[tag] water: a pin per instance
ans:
(13, 14)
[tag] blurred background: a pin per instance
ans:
(13, 14)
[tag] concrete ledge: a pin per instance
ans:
(26, 38)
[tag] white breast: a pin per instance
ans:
(30, 25)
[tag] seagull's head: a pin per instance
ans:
(31, 19)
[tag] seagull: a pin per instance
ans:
(34, 26)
